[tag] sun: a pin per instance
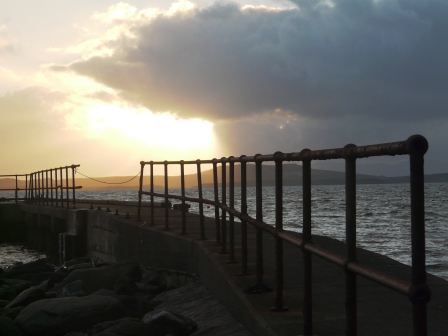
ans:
(160, 131)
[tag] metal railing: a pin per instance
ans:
(417, 290)
(16, 189)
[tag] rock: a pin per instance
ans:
(11, 313)
(8, 328)
(3, 303)
(125, 285)
(10, 292)
(105, 333)
(26, 297)
(39, 277)
(62, 315)
(148, 289)
(46, 285)
(77, 261)
(129, 269)
(93, 278)
(75, 288)
(124, 327)
(165, 322)
(80, 266)
(134, 306)
(76, 333)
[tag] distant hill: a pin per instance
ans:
(292, 175)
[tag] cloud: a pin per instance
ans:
(332, 58)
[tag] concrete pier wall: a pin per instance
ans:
(108, 238)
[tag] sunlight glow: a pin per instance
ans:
(162, 129)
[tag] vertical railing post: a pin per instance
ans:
(73, 186)
(46, 187)
(151, 171)
(244, 212)
(38, 187)
(306, 236)
(215, 189)
(259, 287)
(165, 171)
(350, 239)
(62, 186)
(420, 293)
(224, 202)
(201, 205)
(279, 227)
(51, 186)
(56, 182)
(140, 190)
(182, 187)
(66, 188)
(232, 206)
(16, 191)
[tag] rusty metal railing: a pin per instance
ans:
(46, 187)
(416, 290)
(17, 188)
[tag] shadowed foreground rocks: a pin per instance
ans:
(82, 298)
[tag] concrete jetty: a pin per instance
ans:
(108, 236)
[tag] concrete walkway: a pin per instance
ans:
(381, 311)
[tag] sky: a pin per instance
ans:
(107, 84)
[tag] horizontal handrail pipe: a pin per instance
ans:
(414, 288)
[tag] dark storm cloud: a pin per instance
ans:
(385, 59)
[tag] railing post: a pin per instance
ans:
(259, 287)
(215, 187)
(151, 171)
(73, 186)
(182, 187)
(51, 186)
(66, 187)
(140, 190)
(244, 212)
(306, 236)
(16, 191)
(167, 226)
(232, 206)
(62, 186)
(279, 227)
(420, 293)
(201, 205)
(46, 187)
(223, 201)
(350, 240)
(39, 188)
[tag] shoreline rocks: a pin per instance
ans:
(81, 298)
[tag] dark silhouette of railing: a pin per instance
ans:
(46, 187)
(43, 183)
(16, 189)
(416, 290)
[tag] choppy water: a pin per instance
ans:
(11, 254)
(383, 216)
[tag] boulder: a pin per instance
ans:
(75, 288)
(125, 327)
(129, 269)
(77, 261)
(62, 315)
(165, 322)
(125, 285)
(26, 297)
(93, 278)
(134, 306)
(31, 267)
(8, 328)
(11, 313)
(10, 292)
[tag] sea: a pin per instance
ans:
(383, 217)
